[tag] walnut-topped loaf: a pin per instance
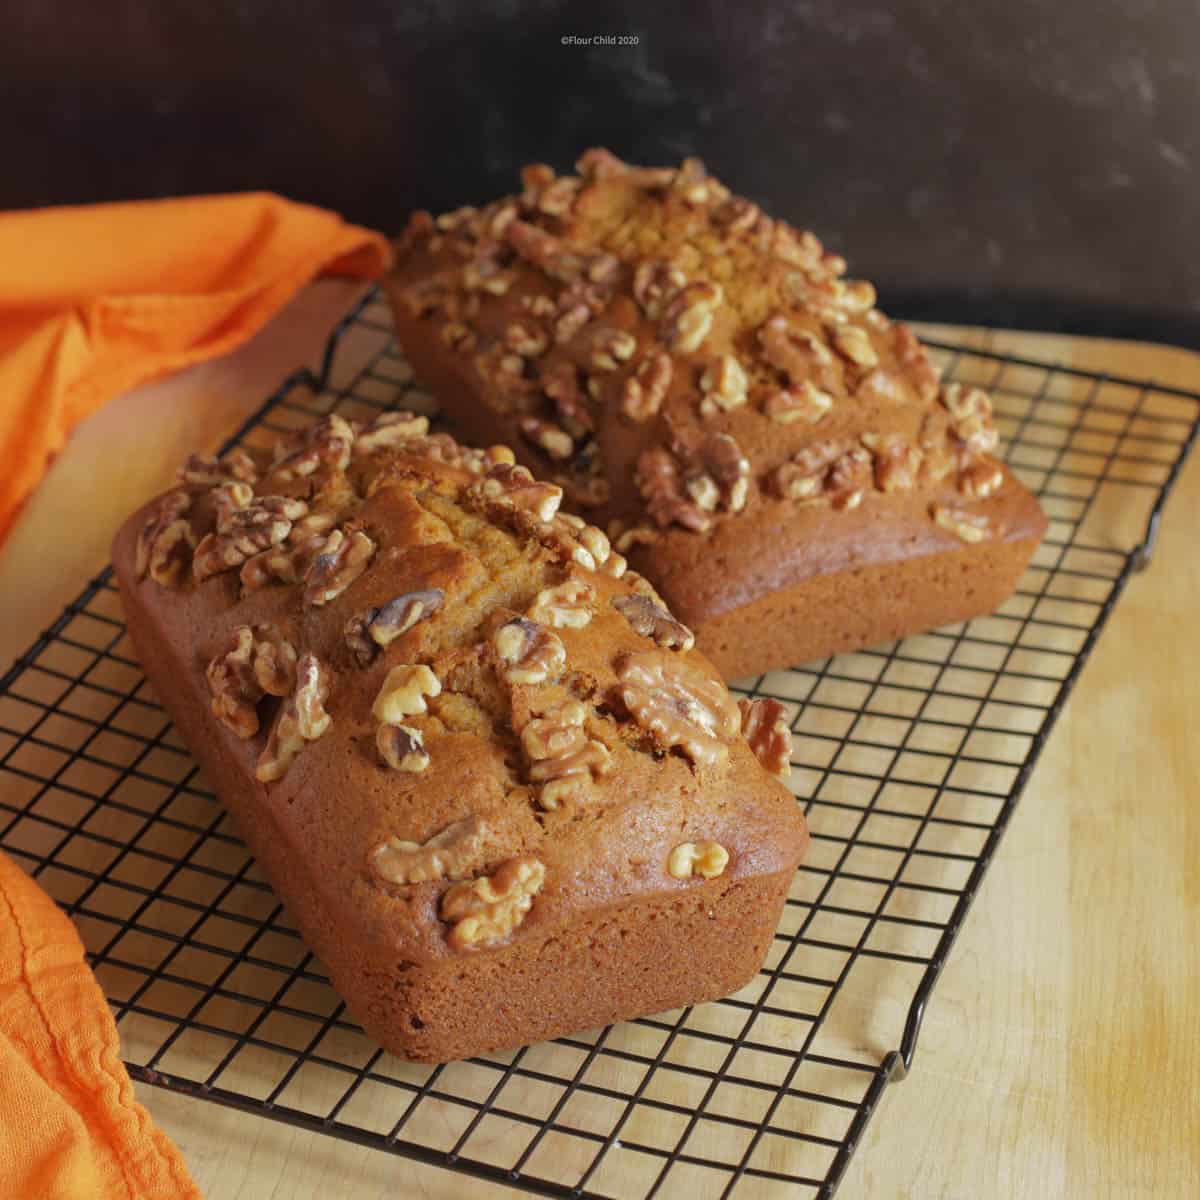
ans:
(782, 461)
(480, 761)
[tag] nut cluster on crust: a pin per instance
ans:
(695, 307)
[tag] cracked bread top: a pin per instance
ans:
(466, 717)
(692, 372)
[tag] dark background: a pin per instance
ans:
(1018, 162)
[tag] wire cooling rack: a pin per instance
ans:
(909, 759)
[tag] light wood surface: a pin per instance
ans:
(1061, 1051)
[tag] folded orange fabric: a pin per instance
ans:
(95, 300)
(70, 1128)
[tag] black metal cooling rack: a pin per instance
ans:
(909, 759)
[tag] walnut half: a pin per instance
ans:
(489, 909)
(678, 706)
(343, 558)
(452, 854)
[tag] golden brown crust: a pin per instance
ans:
(690, 369)
(462, 671)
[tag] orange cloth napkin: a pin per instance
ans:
(70, 1128)
(95, 300)
(92, 302)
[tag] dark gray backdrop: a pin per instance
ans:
(1014, 162)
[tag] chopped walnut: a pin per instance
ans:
(235, 690)
(283, 564)
(724, 385)
(655, 284)
(654, 621)
(897, 461)
(403, 693)
(737, 216)
(646, 389)
(708, 859)
(853, 343)
(970, 410)
(402, 748)
(528, 652)
(535, 246)
(568, 605)
(599, 163)
(801, 402)
(557, 198)
(526, 340)
(246, 532)
(611, 347)
(202, 471)
(515, 486)
(561, 383)
(489, 909)
(301, 718)
(802, 477)
(678, 705)
(728, 467)
(227, 499)
(259, 662)
(798, 353)
(485, 274)
(914, 357)
(980, 479)
(165, 542)
(688, 317)
(328, 443)
(562, 757)
(850, 478)
(454, 853)
(658, 479)
(341, 561)
(765, 727)
(379, 627)
(583, 543)
(390, 431)
(571, 322)
(554, 440)
(274, 661)
(968, 526)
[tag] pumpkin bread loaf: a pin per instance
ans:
(782, 462)
(478, 759)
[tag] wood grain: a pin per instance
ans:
(1061, 1051)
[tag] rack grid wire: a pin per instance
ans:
(909, 759)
